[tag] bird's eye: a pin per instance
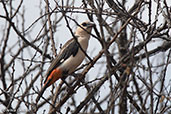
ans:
(84, 24)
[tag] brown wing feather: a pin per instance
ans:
(70, 48)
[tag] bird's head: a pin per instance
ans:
(84, 29)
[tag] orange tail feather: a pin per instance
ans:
(54, 76)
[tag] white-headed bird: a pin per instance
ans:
(69, 57)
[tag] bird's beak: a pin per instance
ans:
(91, 24)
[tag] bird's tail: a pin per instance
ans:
(42, 91)
(55, 75)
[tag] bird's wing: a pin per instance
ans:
(70, 48)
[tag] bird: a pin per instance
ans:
(70, 56)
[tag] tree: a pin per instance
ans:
(129, 73)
